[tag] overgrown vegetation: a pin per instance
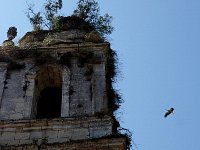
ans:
(128, 135)
(47, 18)
(87, 10)
(114, 97)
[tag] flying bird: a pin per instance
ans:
(169, 111)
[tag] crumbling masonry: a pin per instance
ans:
(53, 93)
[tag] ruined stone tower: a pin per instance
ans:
(54, 93)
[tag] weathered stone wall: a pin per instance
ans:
(83, 83)
(54, 131)
(88, 83)
(73, 65)
(80, 91)
(81, 76)
(117, 143)
(15, 103)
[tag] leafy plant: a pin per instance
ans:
(128, 135)
(89, 10)
(47, 18)
(35, 19)
(51, 12)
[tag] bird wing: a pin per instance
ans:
(167, 113)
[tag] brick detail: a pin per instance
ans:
(117, 143)
(54, 131)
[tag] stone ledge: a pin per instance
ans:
(55, 130)
(105, 143)
(63, 47)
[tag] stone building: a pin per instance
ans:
(54, 93)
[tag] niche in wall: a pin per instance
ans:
(48, 92)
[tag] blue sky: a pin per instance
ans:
(159, 57)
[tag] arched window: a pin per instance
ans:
(48, 92)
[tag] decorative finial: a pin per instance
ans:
(12, 33)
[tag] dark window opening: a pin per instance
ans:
(49, 103)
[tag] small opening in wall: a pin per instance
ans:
(49, 103)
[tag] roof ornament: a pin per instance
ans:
(11, 34)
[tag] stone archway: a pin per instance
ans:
(48, 92)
